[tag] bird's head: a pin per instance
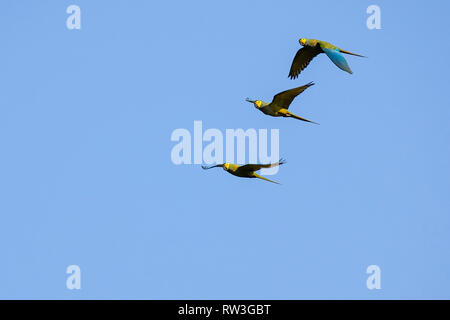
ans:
(256, 103)
(302, 41)
(226, 166)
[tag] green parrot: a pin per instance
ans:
(247, 170)
(312, 48)
(280, 103)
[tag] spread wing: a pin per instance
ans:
(255, 167)
(338, 59)
(302, 59)
(285, 98)
(210, 167)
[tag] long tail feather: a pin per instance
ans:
(258, 176)
(353, 54)
(300, 118)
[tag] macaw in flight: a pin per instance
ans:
(247, 170)
(281, 102)
(311, 48)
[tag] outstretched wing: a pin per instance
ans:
(255, 167)
(302, 59)
(210, 167)
(338, 59)
(285, 98)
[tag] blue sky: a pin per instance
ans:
(86, 176)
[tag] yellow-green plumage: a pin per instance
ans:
(247, 170)
(281, 102)
(311, 48)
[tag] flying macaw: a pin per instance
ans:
(247, 170)
(312, 48)
(280, 103)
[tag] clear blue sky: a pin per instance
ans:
(85, 171)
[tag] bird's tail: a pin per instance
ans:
(258, 176)
(290, 114)
(353, 54)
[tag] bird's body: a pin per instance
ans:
(247, 170)
(280, 103)
(311, 48)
